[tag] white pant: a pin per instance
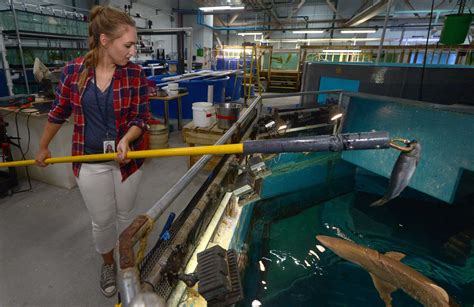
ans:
(110, 202)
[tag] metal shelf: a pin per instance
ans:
(30, 34)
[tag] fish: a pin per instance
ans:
(389, 274)
(402, 172)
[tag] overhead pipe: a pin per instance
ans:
(366, 14)
(382, 38)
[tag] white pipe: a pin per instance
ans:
(190, 51)
(210, 94)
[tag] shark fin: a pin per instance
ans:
(379, 202)
(441, 291)
(384, 289)
(395, 255)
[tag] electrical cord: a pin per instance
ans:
(422, 79)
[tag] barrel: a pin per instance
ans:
(158, 136)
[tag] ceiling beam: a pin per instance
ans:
(233, 19)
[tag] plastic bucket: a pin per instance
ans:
(227, 114)
(202, 114)
(455, 29)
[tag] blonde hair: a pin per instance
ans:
(103, 20)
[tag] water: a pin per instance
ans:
(297, 273)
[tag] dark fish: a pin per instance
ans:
(401, 174)
(389, 274)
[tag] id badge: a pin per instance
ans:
(109, 146)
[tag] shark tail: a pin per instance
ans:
(379, 202)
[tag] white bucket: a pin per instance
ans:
(202, 114)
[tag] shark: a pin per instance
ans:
(389, 274)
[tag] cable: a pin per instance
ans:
(422, 79)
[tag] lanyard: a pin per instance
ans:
(104, 117)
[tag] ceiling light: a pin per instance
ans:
(341, 51)
(357, 31)
(308, 32)
(249, 33)
(220, 8)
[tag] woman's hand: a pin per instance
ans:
(42, 155)
(123, 148)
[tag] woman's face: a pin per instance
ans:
(121, 49)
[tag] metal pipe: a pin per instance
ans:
(339, 142)
(190, 51)
(6, 66)
(382, 38)
(19, 46)
(302, 94)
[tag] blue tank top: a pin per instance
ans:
(95, 128)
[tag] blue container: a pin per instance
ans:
(227, 64)
(234, 87)
(197, 89)
(244, 92)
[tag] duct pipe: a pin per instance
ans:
(382, 38)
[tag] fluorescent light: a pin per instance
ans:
(249, 33)
(357, 31)
(220, 8)
(323, 40)
(308, 31)
(342, 51)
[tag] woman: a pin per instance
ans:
(108, 98)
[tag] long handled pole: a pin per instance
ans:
(340, 142)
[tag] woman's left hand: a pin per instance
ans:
(123, 148)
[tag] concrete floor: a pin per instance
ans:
(47, 257)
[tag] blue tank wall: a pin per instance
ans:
(446, 137)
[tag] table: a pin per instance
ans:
(30, 128)
(28, 109)
(166, 100)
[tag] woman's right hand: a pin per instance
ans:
(42, 155)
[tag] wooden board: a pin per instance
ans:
(202, 136)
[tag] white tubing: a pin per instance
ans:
(210, 94)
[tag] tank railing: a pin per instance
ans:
(128, 275)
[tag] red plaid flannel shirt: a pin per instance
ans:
(130, 94)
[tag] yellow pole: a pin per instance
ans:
(154, 153)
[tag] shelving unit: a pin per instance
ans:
(54, 35)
